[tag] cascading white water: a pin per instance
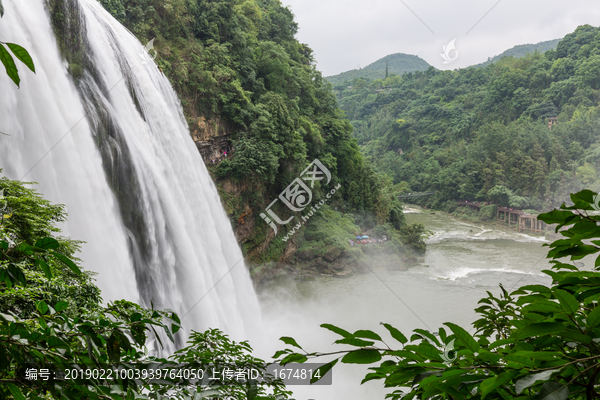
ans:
(125, 165)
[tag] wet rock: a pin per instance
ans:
(342, 274)
(332, 254)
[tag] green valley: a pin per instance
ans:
(522, 131)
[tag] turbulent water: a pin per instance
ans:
(463, 261)
(114, 147)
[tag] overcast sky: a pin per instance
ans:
(345, 34)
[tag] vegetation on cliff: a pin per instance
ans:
(239, 62)
(52, 319)
(481, 134)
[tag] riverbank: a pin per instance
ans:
(327, 246)
(486, 214)
(462, 262)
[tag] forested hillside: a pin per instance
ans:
(398, 64)
(485, 133)
(522, 50)
(238, 62)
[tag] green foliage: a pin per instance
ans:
(397, 64)
(241, 63)
(328, 233)
(7, 59)
(536, 342)
(51, 316)
(466, 132)
(53, 276)
(521, 51)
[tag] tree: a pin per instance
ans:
(536, 342)
(52, 318)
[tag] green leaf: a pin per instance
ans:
(555, 216)
(42, 307)
(493, 383)
(530, 380)
(22, 55)
(553, 391)
(9, 65)
(428, 351)
(362, 357)
(540, 329)
(424, 375)
(44, 267)
(61, 306)
(135, 317)
(367, 334)
(295, 357)
(322, 371)
(47, 243)
(428, 335)
(566, 299)
(355, 342)
(279, 353)
(68, 262)
(593, 318)
(371, 376)
(54, 341)
(396, 334)
(587, 196)
(290, 341)
(15, 391)
(16, 274)
(113, 347)
(464, 337)
(337, 330)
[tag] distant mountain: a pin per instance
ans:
(520, 51)
(398, 64)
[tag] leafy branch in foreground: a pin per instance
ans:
(7, 59)
(538, 342)
(52, 318)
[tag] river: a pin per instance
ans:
(463, 261)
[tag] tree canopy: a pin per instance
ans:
(526, 124)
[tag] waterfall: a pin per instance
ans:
(111, 142)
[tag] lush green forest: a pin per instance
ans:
(539, 341)
(240, 62)
(484, 134)
(522, 50)
(391, 64)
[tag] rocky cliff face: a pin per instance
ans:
(211, 137)
(321, 247)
